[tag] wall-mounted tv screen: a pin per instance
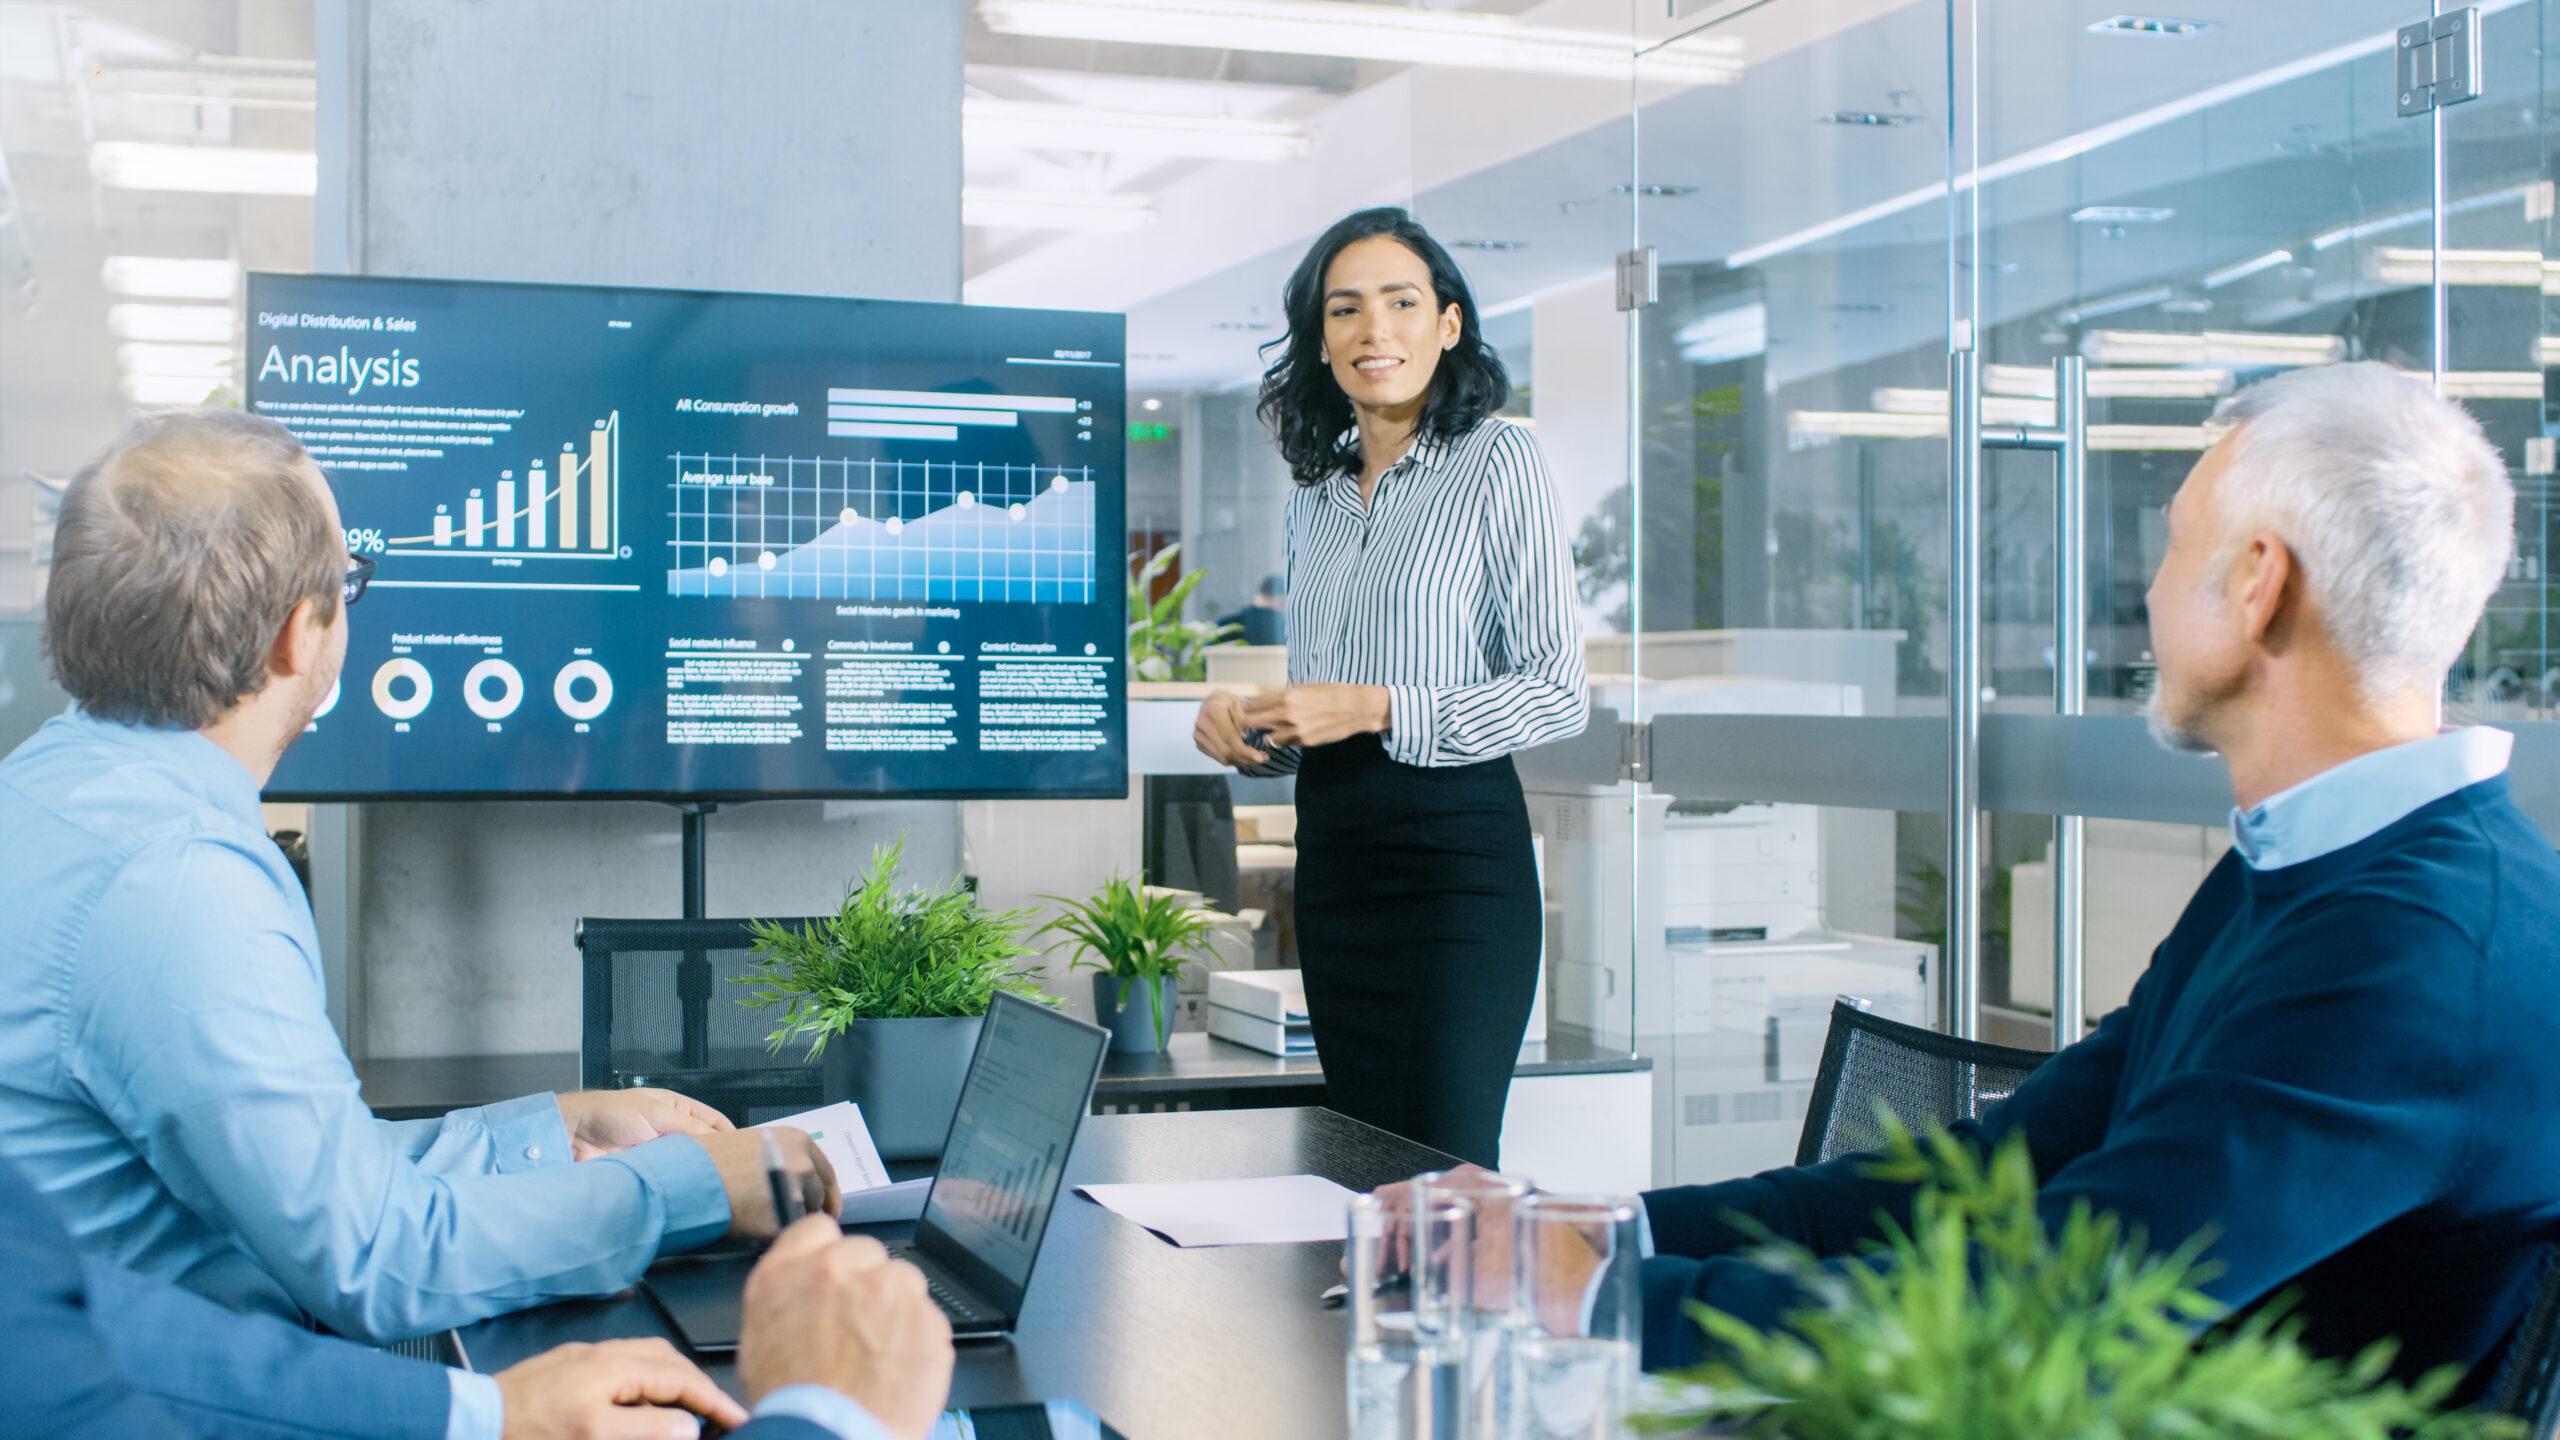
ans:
(665, 544)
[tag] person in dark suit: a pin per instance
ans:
(1265, 621)
(91, 1351)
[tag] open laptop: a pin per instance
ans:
(1029, 1086)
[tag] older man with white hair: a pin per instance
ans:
(2339, 1062)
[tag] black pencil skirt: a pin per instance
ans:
(1418, 920)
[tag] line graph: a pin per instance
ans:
(818, 528)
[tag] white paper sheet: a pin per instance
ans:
(1279, 1209)
(883, 1203)
(845, 1141)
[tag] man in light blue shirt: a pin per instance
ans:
(168, 1076)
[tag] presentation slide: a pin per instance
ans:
(667, 543)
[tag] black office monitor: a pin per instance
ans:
(673, 544)
(1029, 1086)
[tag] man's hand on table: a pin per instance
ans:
(824, 1308)
(603, 1121)
(739, 1157)
(619, 1390)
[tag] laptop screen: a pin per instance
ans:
(1002, 1167)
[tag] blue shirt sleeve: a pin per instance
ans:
(840, 1415)
(198, 1026)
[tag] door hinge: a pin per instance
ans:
(1635, 750)
(1639, 279)
(2440, 62)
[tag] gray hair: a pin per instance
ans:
(2397, 509)
(177, 557)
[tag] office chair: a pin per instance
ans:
(2525, 1385)
(1919, 1074)
(659, 1010)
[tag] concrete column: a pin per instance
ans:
(798, 146)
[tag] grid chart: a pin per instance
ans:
(788, 527)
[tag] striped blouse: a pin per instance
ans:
(1454, 590)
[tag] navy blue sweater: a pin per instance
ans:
(2347, 1067)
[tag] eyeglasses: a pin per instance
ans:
(359, 574)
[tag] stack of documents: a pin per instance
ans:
(1265, 1009)
(870, 1197)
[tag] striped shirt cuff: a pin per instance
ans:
(1412, 724)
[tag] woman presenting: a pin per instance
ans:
(1432, 634)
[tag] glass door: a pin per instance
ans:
(1938, 331)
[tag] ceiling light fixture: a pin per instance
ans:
(208, 362)
(204, 169)
(1821, 427)
(1866, 119)
(1054, 210)
(2404, 265)
(2117, 304)
(156, 278)
(2151, 26)
(2149, 437)
(1040, 125)
(1488, 244)
(2121, 214)
(1654, 192)
(1996, 409)
(2493, 384)
(181, 324)
(1368, 32)
(2159, 384)
(2238, 349)
(2247, 268)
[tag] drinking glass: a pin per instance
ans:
(1406, 1365)
(1575, 1280)
(1490, 1321)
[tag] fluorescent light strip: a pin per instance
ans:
(211, 362)
(2397, 219)
(2149, 437)
(2493, 384)
(1054, 210)
(2117, 305)
(199, 324)
(2546, 350)
(2247, 268)
(1996, 409)
(1367, 32)
(2159, 384)
(204, 169)
(157, 278)
(2096, 137)
(1033, 125)
(2212, 347)
(2401, 265)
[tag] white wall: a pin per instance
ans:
(1578, 395)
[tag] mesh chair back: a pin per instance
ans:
(660, 1010)
(2525, 1387)
(1919, 1074)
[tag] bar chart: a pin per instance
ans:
(565, 507)
(844, 529)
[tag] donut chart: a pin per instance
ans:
(423, 688)
(510, 689)
(336, 687)
(564, 690)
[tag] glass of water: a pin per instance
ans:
(1575, 1283)
(1490, 1321)
(1407, 1362)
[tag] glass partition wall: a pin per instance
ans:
(1947, 293)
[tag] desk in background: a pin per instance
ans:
(1163, 1343)
(1580, 1116)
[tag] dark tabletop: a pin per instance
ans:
(1163, 1343)
(412, 1088)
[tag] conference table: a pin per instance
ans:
(1163, 1343)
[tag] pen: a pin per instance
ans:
(786, 1202)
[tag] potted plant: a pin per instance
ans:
(1162, 645)
(905, 979)
(1981, 1325)
(1139, 938)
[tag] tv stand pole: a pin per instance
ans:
(693, 972)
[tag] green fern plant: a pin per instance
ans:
(1163, 645)
(888, 955)
(1137, 934)
(1983, 1326)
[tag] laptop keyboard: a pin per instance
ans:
(949, 1299)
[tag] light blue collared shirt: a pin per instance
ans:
(479, 1412)
(169, 1079)
(2345, 803)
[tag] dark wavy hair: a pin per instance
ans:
(1302, 402)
